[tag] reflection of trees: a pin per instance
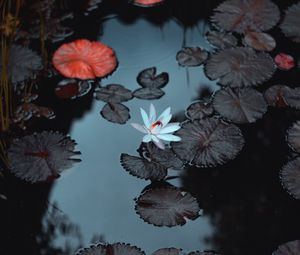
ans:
(249, 209)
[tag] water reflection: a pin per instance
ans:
(104, 189)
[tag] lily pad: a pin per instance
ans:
(143, 168)
(240, 67)
(115, 249)
(116, 113)
(290, 25)
(148, 93)
(208, 142)
(221, 40)
(199, 110)
(113, 93)
(191, 56)
(290, 177)
(149, 79)
(260, 41)
(240, 105)
(167, 207)
(243, 16)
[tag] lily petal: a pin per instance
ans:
(139, 127)
(152, 113)
(166, 114)
(158, 142)
(169, 128)
(145, 118)
(147, 138)
(168, 137)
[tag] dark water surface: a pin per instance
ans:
(245, 209)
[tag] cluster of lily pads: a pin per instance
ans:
(122, 248)
(114, 94)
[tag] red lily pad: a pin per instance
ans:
(284, 62)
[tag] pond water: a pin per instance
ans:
(238, 184)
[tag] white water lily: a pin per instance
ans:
(158, 129)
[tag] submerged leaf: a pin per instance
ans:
(148, 79)
(167, 206)
(113, 93)
(191, 56)
(240, 105)
(289, 248)
(238, 67)
(221, 39)
(113, 249)
(199, 110)
(290, 25)
(260, 41)
(243, 16)
(41, 156)
(116, 113)
(208, 142)
(143, 168)
(148, 93)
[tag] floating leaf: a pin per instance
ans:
(289, 248)
(113, 93)
(276, 95)
(199, 110)
(260, 41)
(116, 113)
(113, 249)
(166, 157)
(208, 142)
(290, 25)
(143, 168)
(221, 39)
(293, 136)
(243, 16)
(41, 156)
(191, 56)
(284, 62)
(167, 206)
(240, 105)
(167, 251)
(293, 98)
(238, 67)
(148, 93)
(148, 79)
(23, 63)
(290, 177)
(84, 59)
